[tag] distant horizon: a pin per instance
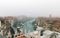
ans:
(31, 16)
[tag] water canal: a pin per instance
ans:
(28, 26)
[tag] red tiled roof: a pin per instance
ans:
(21, 37)
(56, 24)
(8, 17)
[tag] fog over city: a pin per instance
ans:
(30, 8)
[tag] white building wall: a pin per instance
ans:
(0, 24)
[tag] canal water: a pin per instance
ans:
(28, 26)
(2, 36)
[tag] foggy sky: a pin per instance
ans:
(30, 7)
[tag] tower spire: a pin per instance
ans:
(50, 16)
